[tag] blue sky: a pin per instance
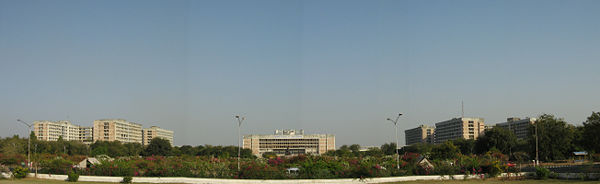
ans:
(339, 67)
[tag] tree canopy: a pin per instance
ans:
(158, 146)
(497, 137)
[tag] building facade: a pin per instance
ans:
(466, 128)
(53, 130)
(421, 134)
(520, 127)
(117, 130)
(289, 142)
(150, 133)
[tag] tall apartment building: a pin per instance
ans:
(289, 142)
(53, 130)
(421, 134)
(117, 130)
(520, 127)
(150, 133)
(466, 128)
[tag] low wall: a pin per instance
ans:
(252, 181)
(579, 176)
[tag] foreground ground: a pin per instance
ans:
(491, 181)
(497, 181)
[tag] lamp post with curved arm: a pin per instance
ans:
(239, 120)
(28, 142)
(397, 143)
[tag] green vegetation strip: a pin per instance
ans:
(40, 181)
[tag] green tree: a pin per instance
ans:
(374, 152)
(355, 148)
(466, 146)
(158, 146)
(344, 151)
(555, 138)
(389, 148)
(591, 133)
(497, 137)
(32, 136)
(421, 148)
(133, 149)
(444, 151)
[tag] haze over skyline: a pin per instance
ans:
(336, 67)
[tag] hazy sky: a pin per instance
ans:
(338, 67)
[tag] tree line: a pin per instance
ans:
(16, 145)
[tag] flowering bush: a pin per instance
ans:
(275, 168)
(56, 166)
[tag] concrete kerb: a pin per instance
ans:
(254, 181)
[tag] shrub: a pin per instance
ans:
(542, 173)
(494, 170)
(553, 175)
(127, 179)
(56, 166)
(20, 172)
(72, 177)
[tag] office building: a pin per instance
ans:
(86, 135)
(520, 127)
(153, 132)
(289, 142)
(421, 134)
(53, 130)
(117, 130)
(466, 128)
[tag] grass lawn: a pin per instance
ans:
(40, 181)
(497, 181)
(36, 181)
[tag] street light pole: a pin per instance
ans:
(239, 119)
(28, 142)
(397, 143)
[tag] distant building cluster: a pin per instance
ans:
(103, 130)
(289, 142)
(465, 128)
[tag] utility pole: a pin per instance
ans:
(28, 142)
(240, 120)
(36, 166)
(509, 146)
(462, 109)
(537, 156)
(397, 143)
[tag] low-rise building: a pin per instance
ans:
(289, 142)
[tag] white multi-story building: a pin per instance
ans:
(289, 142)
(153, 132)
(117, 130)
(457, 128)
(520, 127)
(53, 130)
(421, 134)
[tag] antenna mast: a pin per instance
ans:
(462, 109)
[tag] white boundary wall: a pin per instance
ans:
(253, 181)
